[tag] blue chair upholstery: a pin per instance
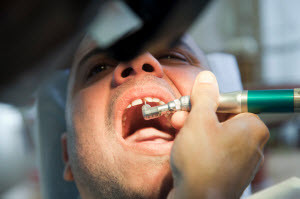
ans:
(50, 125)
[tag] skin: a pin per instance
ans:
(102, 166)
(231, 151)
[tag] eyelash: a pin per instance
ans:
(173, 55)
(168, 56)
(97, 69)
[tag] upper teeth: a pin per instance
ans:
(136, 102)
(146, 99)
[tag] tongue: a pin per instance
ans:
(149, 134)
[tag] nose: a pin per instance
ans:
(142, 65)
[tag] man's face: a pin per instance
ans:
(113, 152)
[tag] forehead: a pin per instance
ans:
(86, 45)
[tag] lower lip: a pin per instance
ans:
(149, 145)
(152, 147)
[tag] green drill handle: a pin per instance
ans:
(270, 101)
(261, 101)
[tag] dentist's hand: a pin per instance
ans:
(212, 159)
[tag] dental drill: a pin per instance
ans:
(253, 101)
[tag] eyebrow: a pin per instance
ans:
(95, 51)
(185, 45)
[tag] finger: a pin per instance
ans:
(178, 119)
(204, 97)
(250, 125)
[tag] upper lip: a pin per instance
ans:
(139, 92)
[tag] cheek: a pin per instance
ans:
(183, 77)
(88, 118)
(89, 106)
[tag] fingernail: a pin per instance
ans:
(206, 77)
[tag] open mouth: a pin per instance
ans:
(136, 129)
(149, 137)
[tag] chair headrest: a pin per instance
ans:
(50, 126)
(226, 70)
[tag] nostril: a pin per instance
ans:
(148, 68)
(126, 72)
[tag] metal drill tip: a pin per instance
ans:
(182, 104)
(150, 113)
(145, 111)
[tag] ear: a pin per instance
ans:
(68, 175)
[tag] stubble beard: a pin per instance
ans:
(104, 184)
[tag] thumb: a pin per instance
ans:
(205, 97)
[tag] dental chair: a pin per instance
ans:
(51, 124)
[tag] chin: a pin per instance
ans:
(153, 183)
